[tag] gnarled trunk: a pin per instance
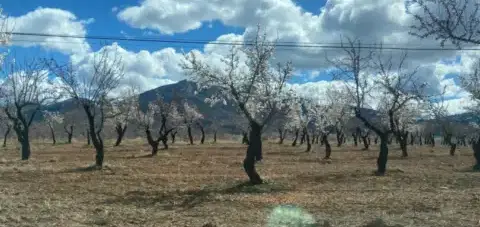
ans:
(202, 139)
(96, 139)
(189, 132)
(245, 138)
(5, 136)
(340, 136)
(153, 143)
(476, 154)
(120, 133)
(173, 135)
(294, 143)
(302, 138)
(402, 138)
(69, 133)
(382, 155)
(355, 139)
(52, 133)
(215, 136)
(24, 140)
(366, 145)
(282, 133)
(254, 153)
(309, 144)
(328, 148)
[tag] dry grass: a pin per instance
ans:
(195, 185)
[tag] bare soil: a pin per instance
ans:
(201, 184)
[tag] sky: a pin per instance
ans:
(150, 65)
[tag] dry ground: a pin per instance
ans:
(195, 185)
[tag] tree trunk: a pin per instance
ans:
(190, 137)
(202, 139)
(390, 139)
(254, 153)
(5, 136)
(296, 138)
(173, 135)
(365, 142)
(476, 154)
(215, 136)
(24, 140)
(340, 136)
(25, 143)
(96, 139)
(382, 155)
(52, 132)
(88, 138)
(282, 135)
(309, 145)
(302, 138)
(120, 133)
(69, 138)
(245, 138)
(164, 140)
(403, 147)
(402, 138)
(153, 143)
(355, 140)
(328, 148)
(453, 147)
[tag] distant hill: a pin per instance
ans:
(178, 92)
(226, 114)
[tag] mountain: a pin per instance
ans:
(226, 115)
(178, 92)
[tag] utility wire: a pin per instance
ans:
(248, 43)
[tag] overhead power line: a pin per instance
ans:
(230, 43)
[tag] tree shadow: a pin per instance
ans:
(184, 200)
(91, 168)
(141, 156)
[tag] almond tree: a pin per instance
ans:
(247, 79)
(69, 124)
(352, 69)
(281, 123)
(324, 117)
(471, 83)
(294, 120)
(26, 88)
(160, 117)
(457, 21)
(439, 112)
(191, 117)
(216, 124)
(52, 119)
(339, 102)
(121, 113)
(93, 92)
(401, 90)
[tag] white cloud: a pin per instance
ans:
(51, 21)
(144, 69)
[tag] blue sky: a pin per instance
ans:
(107, 24)
(292, 20)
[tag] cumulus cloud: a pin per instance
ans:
(51, 21)
(372, 21)
(145, 70)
